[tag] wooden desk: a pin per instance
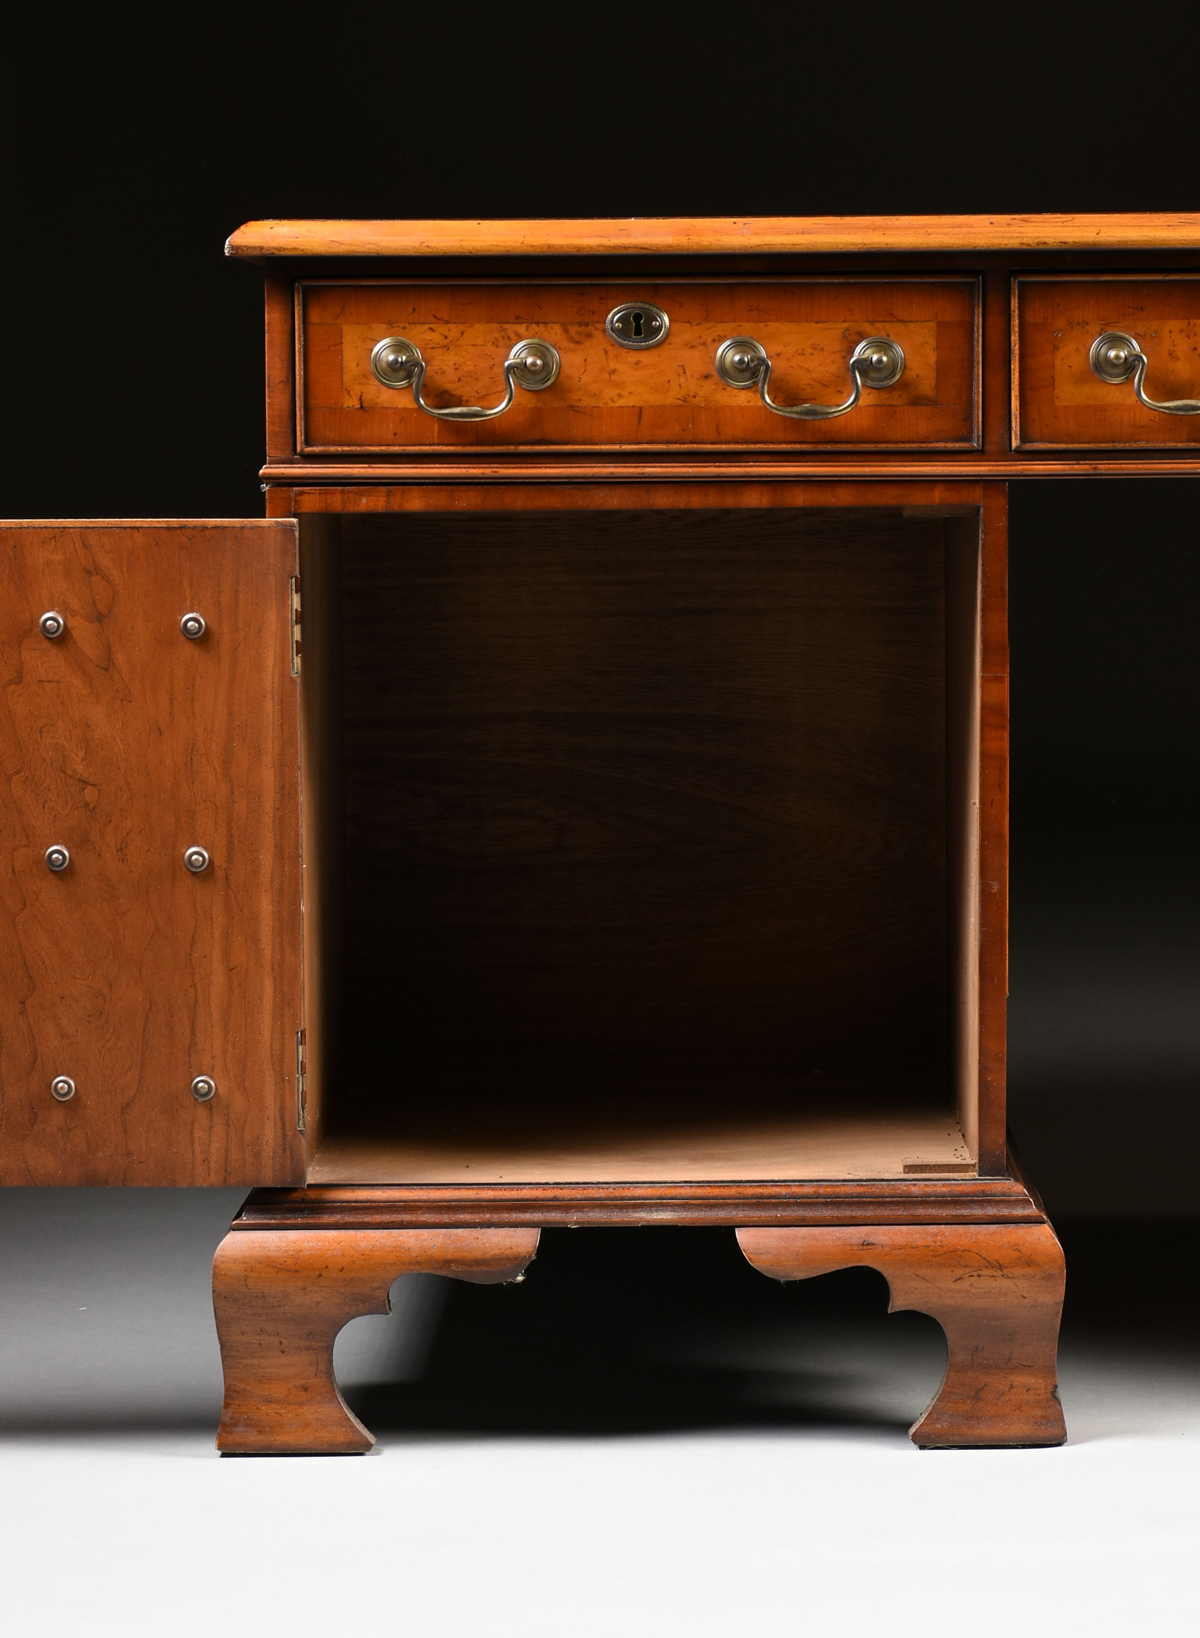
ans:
(590, 808)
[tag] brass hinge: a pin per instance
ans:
(301, 1084)
(295, 599)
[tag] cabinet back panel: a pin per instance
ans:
(642, 811)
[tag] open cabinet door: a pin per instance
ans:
(150, 994)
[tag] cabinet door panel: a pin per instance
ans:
(127, 743)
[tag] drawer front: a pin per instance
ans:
(610, 396)
(1064, 400)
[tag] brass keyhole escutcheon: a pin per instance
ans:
(637, 325)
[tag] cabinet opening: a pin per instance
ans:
(640, 845)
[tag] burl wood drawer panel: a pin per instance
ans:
(1059, 399)
(609, 396)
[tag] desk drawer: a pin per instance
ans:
(1077, 379)
(662, 395)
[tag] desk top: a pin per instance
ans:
(707, 235)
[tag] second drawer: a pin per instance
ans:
(1107, 362)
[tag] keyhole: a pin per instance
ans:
(632, 325)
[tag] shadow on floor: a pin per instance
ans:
(660, 1330)
(654, 1330)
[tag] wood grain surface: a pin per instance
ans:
(127, 743)
(609, 394)
(995, 1289)
(645, 823)
(913, 1199)
(603, 490)
(991, 952)
(494, 1138)
(281, 1297)
(328, 485)
(699, 235)
(1058, 400)
(321, 806)
(280, 367)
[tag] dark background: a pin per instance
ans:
(133, 383)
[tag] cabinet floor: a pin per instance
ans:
(745, 1148)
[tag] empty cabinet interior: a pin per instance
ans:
(640, 845)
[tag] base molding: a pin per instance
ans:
(977, 1254)
(920, 1199)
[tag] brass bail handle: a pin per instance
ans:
(533, 365)
(1116, 357)
(876, 362)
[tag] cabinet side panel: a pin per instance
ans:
(127, 744)
(993, 830)
(962, 814)
(321, 740)
(281, 369)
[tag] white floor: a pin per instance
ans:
(117, 1517)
